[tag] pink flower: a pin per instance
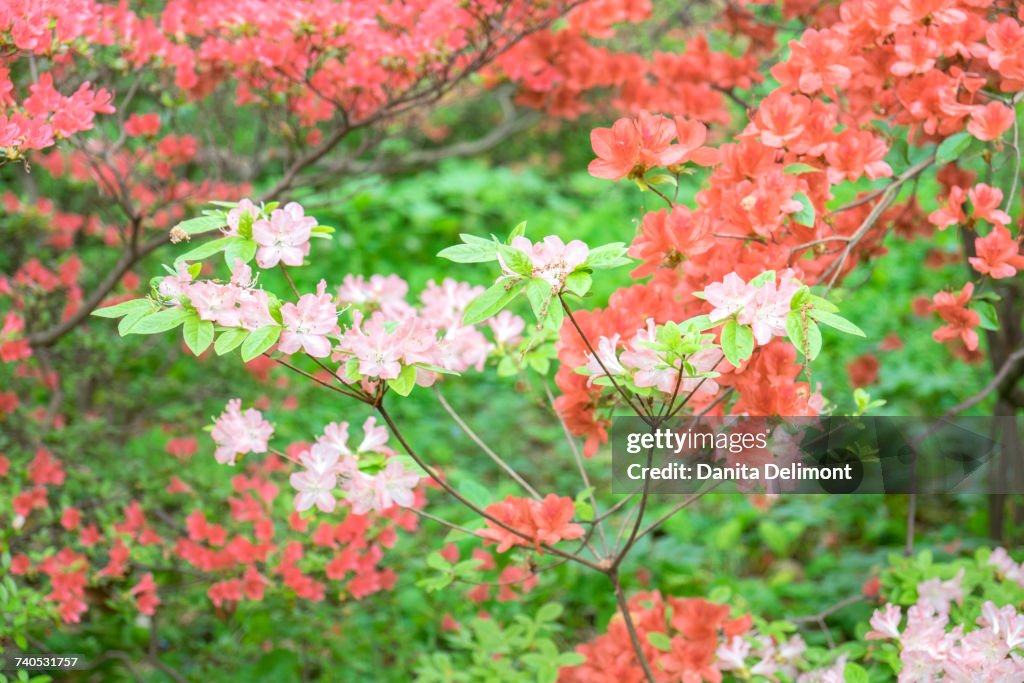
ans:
(284, 238)
(650, 369)
(392, 486)
(552, 259)
(729, 296)
(1005, 623)
(173, 286)
(770, 305)
(321, 459)
(314, 488)
(218, 303)
(885, 623)
(235, 216)
(237, 433)
(375, 438)
(606, 356)
(307, 323)
(938, 594)
(384, 293)
(445, 304)
(507, 327)
(254, 309)
(335, 437)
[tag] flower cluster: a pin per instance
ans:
(673, 359)
(368, 475)
(763, 305)
(680, 638)
(538, 522)
(631, 147)
(237, 433)
(931, 650)
(960, 320)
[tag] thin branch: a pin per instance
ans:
(634, 637)
(577, 456)
(597, 357)
(1007, 369)
(484, 447)
(440, 481)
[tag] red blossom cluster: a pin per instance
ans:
(251, 553)
(538, 522)
(693, 628)
(923, 70)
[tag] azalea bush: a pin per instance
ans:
(791, 170)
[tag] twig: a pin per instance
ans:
(634, 637)
(484, 447)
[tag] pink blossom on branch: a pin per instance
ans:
(308, 323)
(284, 238)
(237, 432)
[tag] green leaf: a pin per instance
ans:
(579, 282)
(607, 256)
(436, 561)
(129, 320)
(207, 249)
(836, 321)
(952, 147)
(660, 641)
(123, 308)
(987, 313)
(804, 216)
(517, 231)
(808, 343)
(550, 612)
(662, 179)
(798, 168)
(493, 300)
(201, 224)
(259, 341)
(404, 383)
(515, 260)
(571, 659)
(698, 323)
(737, 342)
(161, 321)
(230, 340)
(198, 334)
(823, 304)
(244, 249)
(538, 291)
(475, 492)
(473, 250)
(763, 279)
(854, 673)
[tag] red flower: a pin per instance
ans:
(990, 121)
(863, 370)
(617, 149)
(998, 254)
(960, 320)
(666, 238)
(543, 522)
(953, 212)
(985, 201)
